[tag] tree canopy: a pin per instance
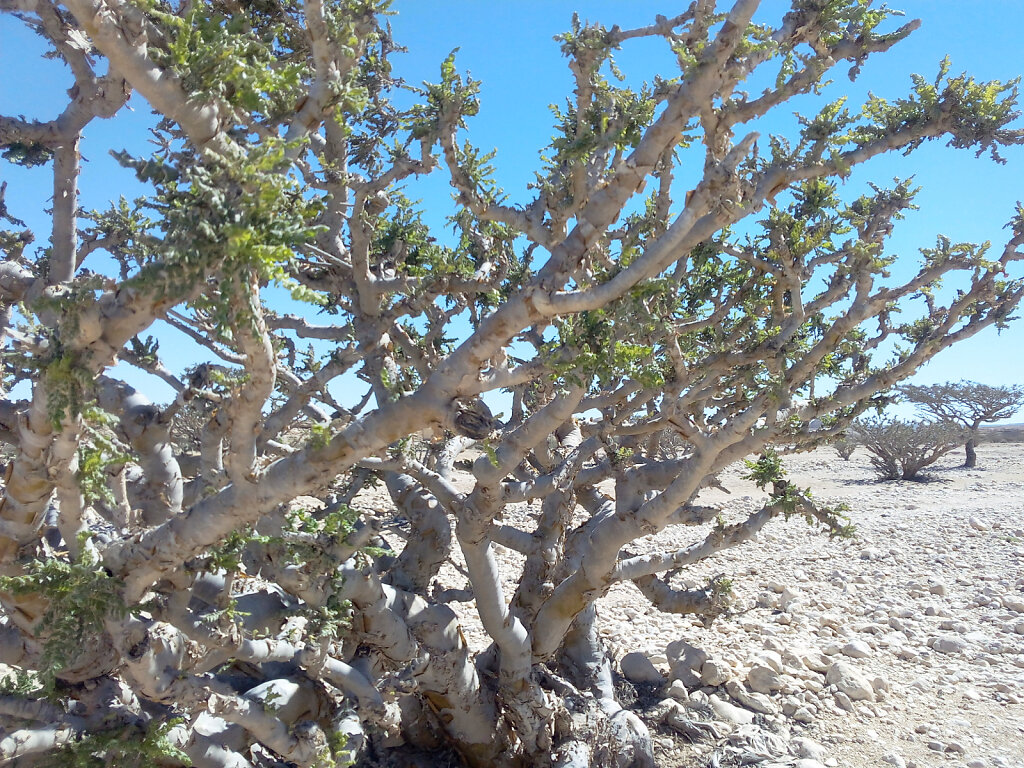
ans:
(680, 293)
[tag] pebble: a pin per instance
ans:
(637, 668)
(948, 644)
(850, 682)
(685, 661)
(808, 748)
(715, 672)
(763, 679)
(978, 524)
(730, 712)
(1014, 604)
(755, 701)
(676, 690)
(857, 649)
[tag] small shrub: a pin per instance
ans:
(901, 449)
(845, 446)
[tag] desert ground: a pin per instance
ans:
(901, 647)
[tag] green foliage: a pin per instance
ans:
(79, 597)
(228, 59)
(68, 383)
(27, 155)
(240, 217)
(98, 450)
(127, 233)
(766, 469)
(127, 746)
(599, 357)
(227, 555)
(451, 98)
(492, 455)
(19, 682)
(146, 351)
(319, 436)
(335, 756)
(333, 618)
(974, 114)
(401, 236)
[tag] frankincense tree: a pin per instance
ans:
(661, 308)
(966, 403)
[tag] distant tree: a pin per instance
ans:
(657, 305)
(901, 449)
(967, 403)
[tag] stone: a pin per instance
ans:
(1013, 603)
(755, 701)
(978, 524)
(843, 702)
(807, 763)
(808, 748)
(948, 644)
(729, 712)
(849, 681)
(637, 668)
(715, 672)
(857, 649)
(803, 715)
(816, 661)
(789, 599)
(676, 690)
(685, 661)
(895, 759)
(763, 679)
(770, 658)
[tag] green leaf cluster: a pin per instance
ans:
(450, 100)
(231, 59)
(241, 218)
(135, 745)
(79, 596)
(767, 469)
(98, 450)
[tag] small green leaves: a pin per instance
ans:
(448, 102)
(79, 597)
(229, 59)
(68, 383)
(27, 155)
(98, 450)
(766, 469)
(128, 746)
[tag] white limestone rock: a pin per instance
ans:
(850, 682)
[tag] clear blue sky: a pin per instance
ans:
(509, 47)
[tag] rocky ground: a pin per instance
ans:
(902, 647)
